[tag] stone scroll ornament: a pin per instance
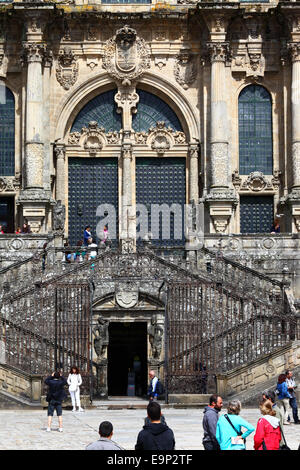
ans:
(126, 56)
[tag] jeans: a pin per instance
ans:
(293, 405)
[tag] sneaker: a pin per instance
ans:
(60, 429)
(48, 429)
(74, 409)
(81, 410)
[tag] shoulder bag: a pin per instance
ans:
(238, 433)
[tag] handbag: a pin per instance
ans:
(284, 446)
(238, 433)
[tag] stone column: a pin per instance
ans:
(293, 198)
(295, 107)
(127, 99)
(218, 117)
(34, 144)
(128, 228)
(193, 174)
(221, 198)
(60, 152)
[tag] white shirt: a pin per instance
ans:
(74, 381)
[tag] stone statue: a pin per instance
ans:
(155, 332)
(59, 216)
(101, 339)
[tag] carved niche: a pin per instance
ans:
(126, 56)
(67, 68)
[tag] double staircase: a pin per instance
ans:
(243, 303)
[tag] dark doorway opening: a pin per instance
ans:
(127, 353)
(7, 214)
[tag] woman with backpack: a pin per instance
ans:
(268, 432)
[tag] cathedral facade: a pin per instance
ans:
(173, 123)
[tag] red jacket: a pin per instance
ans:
(268, 430)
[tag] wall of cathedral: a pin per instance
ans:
(197, 58)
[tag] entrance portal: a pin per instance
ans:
(127, 353)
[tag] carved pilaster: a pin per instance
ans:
(127, 99)
(219, 51)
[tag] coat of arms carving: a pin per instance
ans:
(185, 70)
(67, 68)
(126, 56)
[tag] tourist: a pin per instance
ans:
(86, 235)
(291, 385)
(55, 396)
(92, 244)
(229, 428)
(210, 419)
(1, 230)
(18, 231)
(105, 442)
(67, 254)
(270, 395)
(275, 227)
(26, 228)
(78, 253)
(283, 397)
(104, 237)
(153, 389)
(268, 434)
(155, 435)
(74, 382)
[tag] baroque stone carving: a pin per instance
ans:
(67, 68)
(101, 338)
(8, 184)
(127, 299)
(160, 137)
(155, 332)
(185, 70)
(59, 216)
(256, 181)
(126, 56)
(93, 138)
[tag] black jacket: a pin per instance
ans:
(155, 436)
(56, 388)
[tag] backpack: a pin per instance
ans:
(159, 388)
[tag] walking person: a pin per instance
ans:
(291, 385)
(105, 442)
(268, 433)
(153, 389)
(56, 394)
(155, 435)
(229, 428)
(74, 382)
(210, 419)
(283, 397)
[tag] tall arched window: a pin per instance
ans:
(7, 133)
(255, 130)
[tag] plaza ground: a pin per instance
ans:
(26, 429)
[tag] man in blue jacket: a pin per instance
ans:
(56, 393)
(210, 419)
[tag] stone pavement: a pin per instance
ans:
(26, 429)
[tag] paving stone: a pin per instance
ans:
(26, 429)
